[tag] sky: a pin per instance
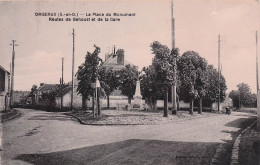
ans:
(42, 43)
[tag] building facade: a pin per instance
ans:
(4, 89)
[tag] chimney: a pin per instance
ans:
(120, 57)
(114, 53)
(106, 57)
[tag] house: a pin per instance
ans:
(226, 103)
(116, 60)
(4, 89)
(44, 88)
(66, 93)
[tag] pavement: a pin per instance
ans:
(40, 137)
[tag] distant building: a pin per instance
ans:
(44, 88)
(66, 93)
(226, 103)
(116, 60)
(20, 97)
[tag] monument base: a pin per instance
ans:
(137, 102)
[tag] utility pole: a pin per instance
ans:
(218, 72)
(257, 86)
(73, 56)
(173, 87)
(12, 76)
(61, 96)
(257, 81)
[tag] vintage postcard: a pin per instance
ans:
(129, 82)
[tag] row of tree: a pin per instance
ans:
(196, 80)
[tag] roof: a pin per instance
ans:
(2, 68)
(47, 87)
(65, 90)
(112, 61)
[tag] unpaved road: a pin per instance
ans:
(40, 137)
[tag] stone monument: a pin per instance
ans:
(137, 96)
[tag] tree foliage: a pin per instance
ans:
(88, 73)
(127, 81)
(109, 81)
(213, 85)
(33, 90)
(149, 87)
(243, 96)
(193, 75)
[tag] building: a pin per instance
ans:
(116, 60)
(66, 93)
(4, 89)
(226, 103)
(44, 88)
(20, 97)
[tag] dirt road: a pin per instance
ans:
(53, 138)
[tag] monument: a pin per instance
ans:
(137, 96)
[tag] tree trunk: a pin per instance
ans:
(191, 106)
(154, 103)
(129, 100)
(200, 106)
(93, 101)
(108, 102)
(83, 102)
(178, 104)
(98, 103)
(165, 112)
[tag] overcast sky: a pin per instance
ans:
(43, 43)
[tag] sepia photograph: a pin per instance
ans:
(149, 82)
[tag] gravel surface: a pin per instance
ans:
(114, 117)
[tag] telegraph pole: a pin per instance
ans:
(73, 56)
(61, 96)
(257, 81)
(257, 86)
(12, 76)
(218, 71)
(173, 87)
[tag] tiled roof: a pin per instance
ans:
(112, 61)
(47, 87)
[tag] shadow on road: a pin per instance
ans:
(51, 116)
(241, 122)
(132, 151)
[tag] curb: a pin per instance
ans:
(235, 150)
(12, 117)
(84, 123)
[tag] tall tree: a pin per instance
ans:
(87, 74)
(193, 76)
(244, 94)
(127, 81)
(234, 95)
(149, 87)
(33, 90)
(163, 67)
(109, 81)
(212, 87)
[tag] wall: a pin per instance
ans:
(4, 91)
